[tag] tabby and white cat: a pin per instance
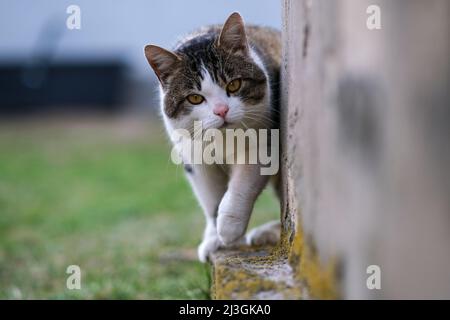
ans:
(227, 77)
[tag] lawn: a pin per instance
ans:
(100, 193)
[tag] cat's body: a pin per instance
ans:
(228, 78)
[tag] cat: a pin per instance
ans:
(226, 76)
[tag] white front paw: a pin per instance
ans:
(230, 228)
(208, 246)
(232, 220)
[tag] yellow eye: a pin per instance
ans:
(234, 85)
(195, 98)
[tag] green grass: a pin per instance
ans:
(103, 195)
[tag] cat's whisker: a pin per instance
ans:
(243, 123)
(259, 117)
(262, 114)
(260, 121)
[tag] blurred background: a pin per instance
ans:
(85, 170)
(46, 66)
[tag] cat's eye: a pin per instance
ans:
(234, 85)
(195, 98)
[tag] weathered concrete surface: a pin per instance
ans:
(253, 273)
(365, 156)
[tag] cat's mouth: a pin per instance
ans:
(225, 124)
(228, 125)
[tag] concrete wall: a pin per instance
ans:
(366, 158)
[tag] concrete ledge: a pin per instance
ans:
(291, 270)
(253, 273)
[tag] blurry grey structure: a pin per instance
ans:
(367, 129)
(101, 65)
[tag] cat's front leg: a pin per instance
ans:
(209, 183)
(245, 185)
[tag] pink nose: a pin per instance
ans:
(221, 110)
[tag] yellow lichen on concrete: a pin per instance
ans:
(319, 279)
(290, 270)
(236, 283)
(286, 271)
(253, 273)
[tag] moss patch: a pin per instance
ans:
(249, 273)
(318, 278)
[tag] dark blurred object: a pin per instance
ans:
(87, 85)
(40, 83)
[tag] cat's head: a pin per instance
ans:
(214, 77)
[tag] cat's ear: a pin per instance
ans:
(162, 61)
(232, 37)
